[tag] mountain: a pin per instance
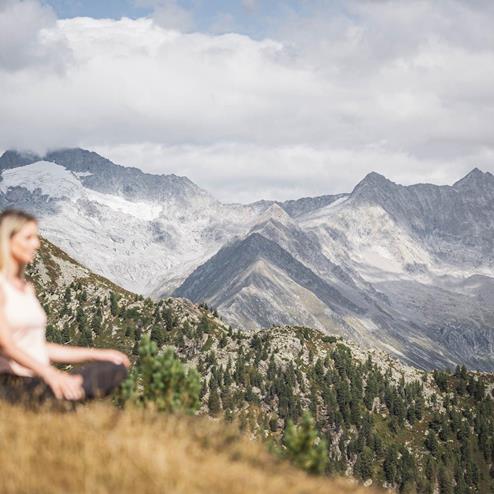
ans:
(408, 269)
(382, 422)
(391, 257)
(143, 231)
(100, 174)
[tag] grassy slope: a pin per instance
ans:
(100, 449)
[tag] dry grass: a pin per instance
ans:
(99, 449)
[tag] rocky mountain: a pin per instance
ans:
(406, 269)
(382, 421)
(143, 231)
(399, 267)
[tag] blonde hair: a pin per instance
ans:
(11, 222)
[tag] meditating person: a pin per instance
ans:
(26, 358)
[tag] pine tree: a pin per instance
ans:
(114, 309)
(406, 470)
(214, 404)
(390, 465)
(157, 335)
(445, 481)
(226, 398)
(363, 465)
(432, 444)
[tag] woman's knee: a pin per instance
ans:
(117, 370)
(120, 372)
(102, 378)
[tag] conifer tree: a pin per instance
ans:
(214, 404)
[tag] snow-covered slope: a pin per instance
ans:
(145, 241)
(408, 269)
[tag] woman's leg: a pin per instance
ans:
(100, 378)
(30, 391)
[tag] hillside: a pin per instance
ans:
(101, 450)
(382, 420)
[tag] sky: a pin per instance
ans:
(255, 99)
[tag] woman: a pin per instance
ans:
(26, 370)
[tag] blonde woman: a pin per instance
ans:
(26, 358)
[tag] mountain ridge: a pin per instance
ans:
(371, 264)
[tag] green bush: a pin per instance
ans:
(303, 447)
(162, 381)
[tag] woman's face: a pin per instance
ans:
(25, 243)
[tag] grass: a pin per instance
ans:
(100, 449)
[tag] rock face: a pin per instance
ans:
(407, 269)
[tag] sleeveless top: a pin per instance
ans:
(27, 324)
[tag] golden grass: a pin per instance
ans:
(99, 449)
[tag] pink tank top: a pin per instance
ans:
(27, 323)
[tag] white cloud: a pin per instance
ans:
(29, 36)
(403, 88)
(244, 172)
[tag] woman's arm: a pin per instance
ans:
(69, 354)
(76, 354)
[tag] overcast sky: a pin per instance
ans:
(255, 99)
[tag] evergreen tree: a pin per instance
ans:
(114, 304)
(390, 465)
(214, 404)
(157, 335)
(432, 444)
(363, 465)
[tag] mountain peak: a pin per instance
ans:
(372, 185)
(375, 178)
(475, 178)
(12, 159)
(275, 213)
(74, 159)
(102, 175)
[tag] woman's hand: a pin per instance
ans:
(63, 384)
(113, 356)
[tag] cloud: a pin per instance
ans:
(29, 36)
(237, 172)
(403, 88)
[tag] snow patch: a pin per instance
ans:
(49, 178)
(145, 211)
(57, 182)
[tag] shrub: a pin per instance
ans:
(303, 447)
(162, 381)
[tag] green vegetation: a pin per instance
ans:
(413, 432)
(162, 380)
(304, 447)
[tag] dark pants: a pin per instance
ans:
(99, 379)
